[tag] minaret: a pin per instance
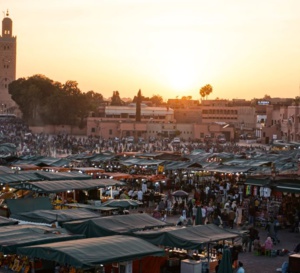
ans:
(8, 54)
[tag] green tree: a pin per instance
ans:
(205, 91)
(43, 101)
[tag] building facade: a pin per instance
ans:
(8, 59)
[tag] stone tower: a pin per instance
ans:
(8, 56)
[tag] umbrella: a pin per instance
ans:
(122, 203)
(199, 220)
(226, 262)
(180, 193)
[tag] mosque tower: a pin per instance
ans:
(8, 54)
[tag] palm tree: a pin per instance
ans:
(205, 90)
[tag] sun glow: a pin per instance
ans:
(180, 72)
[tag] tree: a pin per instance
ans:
(116, 100)
(43, 101)
(205, 91)
(157, 100)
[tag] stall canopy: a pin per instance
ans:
(52, 216)
(88, 253)
(12, 237)
(65, 185)
(28, 204)
(187, 237)
(7, 222)
(114, 225)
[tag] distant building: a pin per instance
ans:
(8, 54)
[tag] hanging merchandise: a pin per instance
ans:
(255, 190)
(248, 190)
(261, 192)
(267, 192)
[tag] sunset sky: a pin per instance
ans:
(244, 49)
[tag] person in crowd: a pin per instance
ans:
(268, 244)
(216, 219)
(252, 213)
(181, 221)
(240, 268)
(272, 230)
(194, 213)
(253, 234)
(257, 245)
(234, 205)
(234, 255)
(245, 241)
(224, 217)
(204, 212)
(227, 205)
(140, 195)
(161, 206)
(231, 217)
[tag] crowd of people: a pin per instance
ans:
(15, 131)
(220, 201)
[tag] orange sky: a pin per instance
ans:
(244, 49)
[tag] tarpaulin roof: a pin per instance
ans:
(6, 170)
(52, 216)
(187, 237)
(113, 225)
(230, 169)
(90, 207)
(44, 161)
(88, 253)
(102, 157)
(63, 176)
(7, 222)
(179, 165)
(16, 178)
(24, 235)
(65, 185)
(139, 161)
(28, 204)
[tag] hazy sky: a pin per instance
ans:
(244, 49)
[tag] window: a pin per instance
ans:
(110, 131)
(93, 130)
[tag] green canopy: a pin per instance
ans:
(12, 237)
(16, 206)
(114, 225)
(17, 178)
(65, 185)
(187, 237)
(88, 253)
(52, 216)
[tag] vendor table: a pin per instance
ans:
(294, 263)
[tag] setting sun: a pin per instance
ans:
(164, 47)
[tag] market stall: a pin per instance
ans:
(113, 225)
(92, 252)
